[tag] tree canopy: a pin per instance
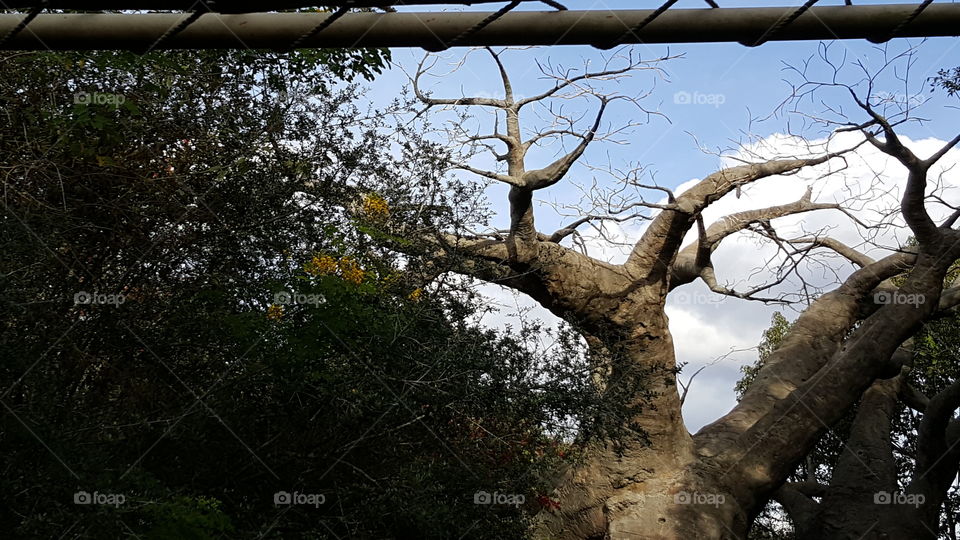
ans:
(197, 315)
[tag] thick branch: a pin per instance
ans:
(937, 459)
(553, 173)
(866, 463)
(817, 334)
(838, 247)
(692, 260)
(912, 204)
(655, 251)
(913, 398)
(782, 415)
(810, 488)
(800, 507)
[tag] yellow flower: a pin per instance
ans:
(275, 312)
(375, 207)
(350, 270)
(321, 265)
(415, 295)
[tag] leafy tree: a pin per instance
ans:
(948, 79)
(772, 337)
(198, 315)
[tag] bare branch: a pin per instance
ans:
(840, 248)
(941, 152)
(565, 81)
(689, 383)
(429, 101)
(560, 234)
(489, 174)
(507, 86)
(553, 173)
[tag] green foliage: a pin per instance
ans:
(198, 197)
(344, 64)
(948, 79)
(772, 337)
(187, 518)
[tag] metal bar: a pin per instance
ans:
(893, 33)
(276, 30)
(180, 27)
(781, 24)
(22, 24)
(444, 45)
(319, 28)
(623, 38)
(223, 6)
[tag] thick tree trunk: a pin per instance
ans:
(649, 485)
(662, 483)
(642, 494)
(862, 501)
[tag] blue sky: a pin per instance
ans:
(734, 84)
(747, 81)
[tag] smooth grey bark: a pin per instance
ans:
(864, 499)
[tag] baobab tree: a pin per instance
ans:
(647, 476)
(891, 461)
(863, 495)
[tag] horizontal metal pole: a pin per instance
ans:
(430, 30)
(228, 6)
